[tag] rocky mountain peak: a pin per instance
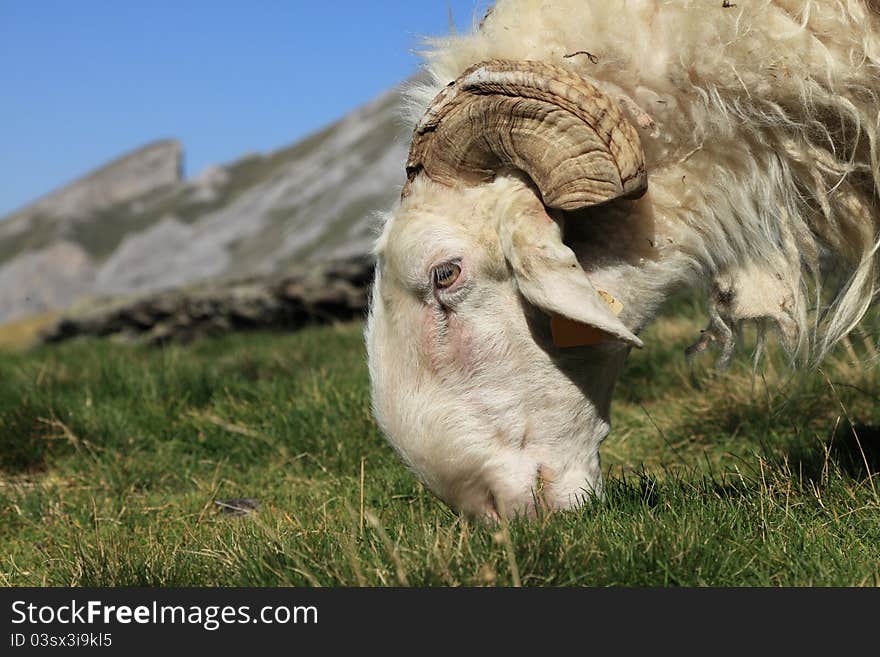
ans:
(135, 226)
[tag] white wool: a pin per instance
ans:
(760, 128)
(761, 141)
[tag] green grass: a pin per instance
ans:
(111, 458)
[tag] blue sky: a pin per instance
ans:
(84, 81)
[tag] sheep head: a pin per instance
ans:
(476, 291)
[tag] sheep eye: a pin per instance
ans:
(446, 274)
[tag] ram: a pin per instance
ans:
(574, 163)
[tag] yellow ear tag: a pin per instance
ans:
(569, 333)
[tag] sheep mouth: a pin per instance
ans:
(541, 490)
(539, 502)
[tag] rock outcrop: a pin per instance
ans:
(334, 291)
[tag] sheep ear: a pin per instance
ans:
(549, 276)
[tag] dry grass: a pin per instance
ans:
(22, 333)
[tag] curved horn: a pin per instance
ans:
(568, 136)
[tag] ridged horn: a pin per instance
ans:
(569, 137)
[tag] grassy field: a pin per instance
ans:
(112, 458)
